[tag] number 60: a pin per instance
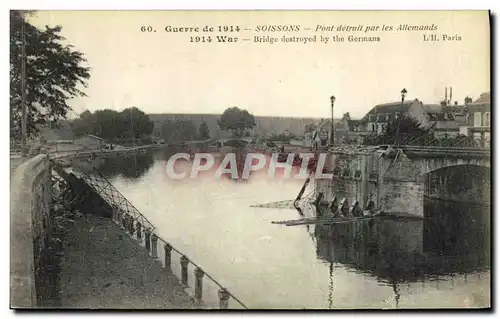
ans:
(146, 28)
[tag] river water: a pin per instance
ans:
(441, 261)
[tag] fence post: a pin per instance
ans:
(139, 235)
(119, 217)
(168, 257)
(124, 220)
(131, 225)
(223, 298)
(198, 284)
(154, 242)
(184, 270)
(147, 235)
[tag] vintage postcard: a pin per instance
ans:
(250, 159)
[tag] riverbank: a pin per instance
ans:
(103, 267)
(100, 152)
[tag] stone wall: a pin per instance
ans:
(402, 187)
(356, 178)
(402, 198)
(348, 182)
(30, 200)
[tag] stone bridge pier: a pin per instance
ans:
(398, 180)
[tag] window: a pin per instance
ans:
(487, 119)
(477, 119)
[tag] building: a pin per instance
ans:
(90, 142)
(477, 120)
(349, 131)
(321, 133)
(377, 119)
(444, 120)
(473, 118)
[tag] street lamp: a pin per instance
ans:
(403, 94)
(332, 134)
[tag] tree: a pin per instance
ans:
(167, 130)
(136, 121)
(128, 124)
(410, 132)
(203, 131)
(179, 130)
(184, 130)
(346, 116)
(236, 120)
(54, 74)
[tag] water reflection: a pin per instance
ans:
(452, 239)
(378, 264)
(126, 166)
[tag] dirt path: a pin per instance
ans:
(103, 267)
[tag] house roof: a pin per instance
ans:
(483, 98)
(478, 107)
(433, 108)
(392, 107)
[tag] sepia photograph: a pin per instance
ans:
(250, 160)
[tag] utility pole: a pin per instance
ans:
(24, 126)
(332, 134)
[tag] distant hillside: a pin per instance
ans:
(266, 125)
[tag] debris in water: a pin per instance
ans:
(285, 204)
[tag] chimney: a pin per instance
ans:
(456, 103)
(446, 95)
(451, 94)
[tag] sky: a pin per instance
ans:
(162, 72)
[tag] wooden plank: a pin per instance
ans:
(323, 221)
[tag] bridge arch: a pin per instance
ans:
(468, 182)
(429, 165)
(457, 209)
